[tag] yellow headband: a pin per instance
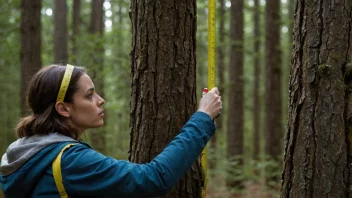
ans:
(65, 82)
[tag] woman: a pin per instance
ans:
(64, 105)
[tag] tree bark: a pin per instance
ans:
(163, 67)
(235, 121)
(60, 32)
(30, 46)
(317, 161)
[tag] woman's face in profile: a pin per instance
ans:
(86, 109)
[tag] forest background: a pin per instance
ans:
(115, 41)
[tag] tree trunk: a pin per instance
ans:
(97, 69)
(273, 114)
(256, 95)
(163, 81)
(75, 29)
(317, 160)
(221, 60)
(30, 46)
(235, 123)
(60, 32)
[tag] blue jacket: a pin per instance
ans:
(26, 166)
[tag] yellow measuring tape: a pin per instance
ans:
(211, 77)
(65, 82)
(211, 44)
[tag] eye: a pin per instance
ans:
(90, 96)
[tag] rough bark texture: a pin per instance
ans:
(163, 81)
(75, 29)
(235, 121)
(30, 45)
(256, 95)
(273, 115)
(317, 156)
(97, 71)
(60, 33)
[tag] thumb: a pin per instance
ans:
(214, 90)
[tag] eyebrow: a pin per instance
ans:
(90, 89)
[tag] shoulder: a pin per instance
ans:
(78, 149)
(81, 155)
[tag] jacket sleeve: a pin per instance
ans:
(88, 173)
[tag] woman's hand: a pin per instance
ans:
(211, 103)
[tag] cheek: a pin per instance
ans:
(83, 113)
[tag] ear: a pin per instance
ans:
(62, 110)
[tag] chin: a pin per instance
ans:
(100, 124)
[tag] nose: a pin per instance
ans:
(101, 101)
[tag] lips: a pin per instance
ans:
(102, 112)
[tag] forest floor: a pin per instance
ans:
(252, 189)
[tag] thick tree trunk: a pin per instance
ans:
(256, 95)
(97, 68)
(75, 29)
(317, 159)
(273, 114)
(235, 123)
(163, 81)
(30, 46)
(60, 32)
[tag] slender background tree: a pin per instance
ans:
(30, 45)
(273, 104)
(60, 32)
(256, 75)
(75, 30)
(235, 138)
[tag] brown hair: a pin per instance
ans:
(41, 97)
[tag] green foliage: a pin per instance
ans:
(117, 49)
(250, 172)
(10, 65)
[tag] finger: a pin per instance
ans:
(218, 115)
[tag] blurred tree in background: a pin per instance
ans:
(30, 54)
(273, 128)
(60, 32)
(235, 124)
